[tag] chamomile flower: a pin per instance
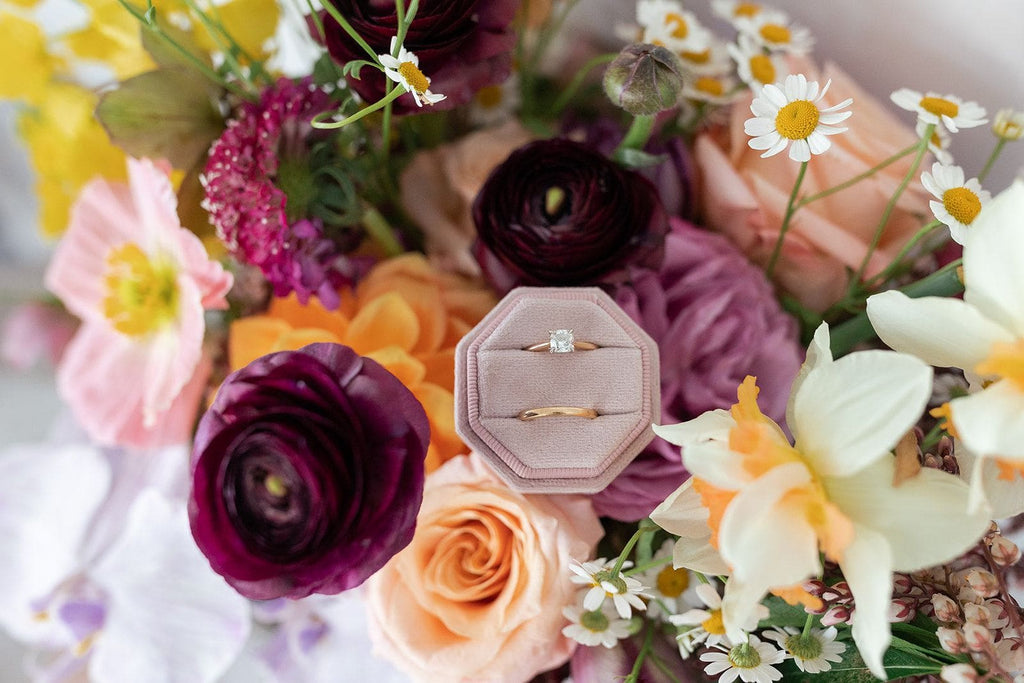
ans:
(948, 110)
(791, 114)
(751, 662)
(1009, 124)
(813, 653)
(713, 60)
(697, 626)
(754, 65)
(938, 144)
(959, 202)
(404, 69)
(672, 590)
(713, 89)
(626, 592)
(776, 32)
(666, 23)
(732, 10)
(595, 627)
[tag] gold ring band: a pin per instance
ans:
(562, 341)
(576, 346)
(551, 411)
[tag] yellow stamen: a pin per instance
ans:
(672, 582)
(414, 77)
(697, 57)
(775, 33)
(142, 295)
(962, 204)
(1009, 469)
(275, 486)
(797, 120)
(1006, 360)
(940, 106)
(762, 69)
(711, 86)
(85, 645)
(714, 624)
(746, 9)
(945, 414)
(681, 29)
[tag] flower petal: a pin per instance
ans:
(854, 410)
(715, 462)
(994, 260)
(1002, 498)
(991, 422)
(819, 353)
(867, 567)
(714, 424)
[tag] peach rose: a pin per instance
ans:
(477, 595)
(745, 196)
(439, 185)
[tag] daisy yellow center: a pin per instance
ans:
(711, 86)
(775, 33)
(962, 204)
(1009, 469)
(697, 57)
(762, 69)
(142, 295)
(414, 77)
(746, 9)
(797, 120)
(714, 624)
(1005, 360)
(940, 106)
(680, 29)
(672, 582)
(489, 96)
(594, 621)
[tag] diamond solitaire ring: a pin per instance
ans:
(562, 341)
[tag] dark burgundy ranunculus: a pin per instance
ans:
(558, 213)
(307, 472)
(462, 45)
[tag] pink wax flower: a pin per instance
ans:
(715, 320)
(139, 281)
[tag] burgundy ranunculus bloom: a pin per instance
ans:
(558, 213)
(307, 473)
(462, 45)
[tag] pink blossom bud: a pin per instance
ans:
(959, 673)
(977, 614)
(945, 609)
(977, 637)
(902, 610)
(1004, 551)
(983, 582)
(836, 614)
(951, 639)
(839, 592)
(815, 587)
(902, 584)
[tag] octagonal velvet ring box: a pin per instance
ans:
(497, 378)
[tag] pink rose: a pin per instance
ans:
(439, 185)
(745, 196)
(477, 595)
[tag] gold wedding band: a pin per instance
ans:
(562, 341)
(550, 411)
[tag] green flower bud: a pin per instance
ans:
(644, 79)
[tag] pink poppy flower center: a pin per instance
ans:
(142, 294)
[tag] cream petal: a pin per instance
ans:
(924, 519)
(943, 332)
(700, 556)
(715, 463)
(768, 141)
(852, 411)
(819, 353)
(867, 567)
(758, 126)
(740, 603)
(683, 513)
(991, 422)
(800, 151)
(818, 143)
(714, 424)
(994, 259)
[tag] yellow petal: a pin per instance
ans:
(253, 337)
(249, 22)
(439, 405)
(386, 321)
(29, 65)
(411, 277)
(311, 314)
(407, 369)
(113, 37)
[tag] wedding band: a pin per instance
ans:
(550, 411)
(562, 341)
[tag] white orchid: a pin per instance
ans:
(774, 506)
(984, 335)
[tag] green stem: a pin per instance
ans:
(922, 147)
(219, 36)
(891, 268)
(529, 68)
(347, 28)
(577, 81)
(787, 217)
(386, 123)
(857, 178)
(379, 231)
(658, 562)
(627, 550)
(404, 20)
(991, 159)
(637, 135)
(807, 626)
(638, 664)
(319, 123)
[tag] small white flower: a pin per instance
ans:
(750, 661)
(405, 70)
(813, 653)
(754, 66)
(713, 89)
(595, 627)
(947, 110)
(706, 625)
(733, 10)
(959, 202)
(672, 590)
(1009, 124)
(938, 144)
(666, 23)
(791, 114)
(776, 32)
(711, 61)
(625, 592)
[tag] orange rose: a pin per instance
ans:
(477, 595)
(403, 315)
(745, 196)
(439, 185)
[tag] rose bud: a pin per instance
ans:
(307, 472)
(644, 79)
(558, 213)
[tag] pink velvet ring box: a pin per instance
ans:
(496, 378)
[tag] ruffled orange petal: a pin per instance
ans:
(388, 320)
(253, 337)
(444, 440)
(407, 369)
(412, 278)
(311, 315)
(440, 368)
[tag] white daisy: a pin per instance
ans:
(595, 627)
(404, 69)
(756, 67)
(732, 10)
(938, 144)
(713, 89)
(1009, 124)
(672, 590)
(791, 114)
(813, 653)
(713, 60)
(776, 32)
(959, 203)
(626, 592)
(948, 110)
(751, 662)
(666, 23)
(698, 626)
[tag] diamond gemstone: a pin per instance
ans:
(562, 341)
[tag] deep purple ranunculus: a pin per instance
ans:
(716, 320)
(556, 212)
(462, 45)
(307, 472)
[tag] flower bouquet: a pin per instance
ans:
(659, 355)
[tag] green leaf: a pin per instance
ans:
(169, 113)
(160, 44)
(781, 613)
(898, 664)
(354, 67)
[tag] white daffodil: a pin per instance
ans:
(774, 506)
(946, 110)
(983, 334)
(404, 69)
(791, 114)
